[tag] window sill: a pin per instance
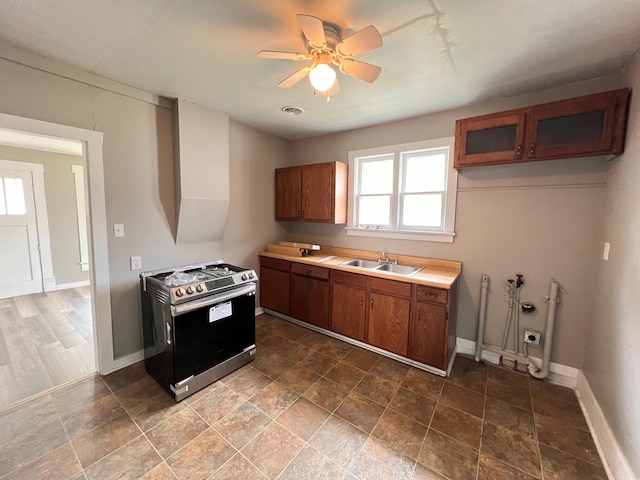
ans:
(443, 237)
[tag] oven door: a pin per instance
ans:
(213, 329)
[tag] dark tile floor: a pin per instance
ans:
(308, 407)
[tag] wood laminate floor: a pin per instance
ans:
(46, 340)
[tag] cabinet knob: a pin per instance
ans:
(361, 300)
(518, 152)
(533, 148)
(372, 303)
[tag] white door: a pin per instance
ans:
(20, 268)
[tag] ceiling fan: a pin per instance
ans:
(325, 46)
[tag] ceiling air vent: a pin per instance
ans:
(293, 111)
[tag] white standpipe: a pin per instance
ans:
(482, 314)
(543, 371)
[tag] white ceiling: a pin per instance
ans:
(437, 54)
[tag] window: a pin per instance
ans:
(12, 196)
(403, 191)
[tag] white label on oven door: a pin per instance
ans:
(220, 311)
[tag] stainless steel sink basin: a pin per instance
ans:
(405, 270)
(399, 269)
(358, 262)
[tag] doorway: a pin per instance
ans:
(46, 332)
(91, 143)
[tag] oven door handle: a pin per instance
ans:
(247, 289)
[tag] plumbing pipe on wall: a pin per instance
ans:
(482, 315)
(542, 371)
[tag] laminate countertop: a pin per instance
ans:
(435, 272)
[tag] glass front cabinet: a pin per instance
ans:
(578, 127)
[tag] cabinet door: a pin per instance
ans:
(388, 323)
(318, 192)
(576, 127)
(348, 311)
(288, 193)
(429, 335)
(274, 290)
(490, 139)
(310, 300)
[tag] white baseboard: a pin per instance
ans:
(615, 463)
(64, 286)
(558, 373)
(259, 311)
(49, 284)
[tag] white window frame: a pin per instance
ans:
(446, 234)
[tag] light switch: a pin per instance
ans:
(118, 230)
(605, 252)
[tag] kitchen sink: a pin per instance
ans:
(406, 270)
(358, 262)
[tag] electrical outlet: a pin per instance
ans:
(532, 337)
(136, 263)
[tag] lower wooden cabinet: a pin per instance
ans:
(309, 294)
(274, 284)
(433, 326)
(414, 321)
(389, 323)
(348, 304)
(429, 335)
(389, 309)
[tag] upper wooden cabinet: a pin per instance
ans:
(577, 127)
(312, 193)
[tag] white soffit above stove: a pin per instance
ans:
(437, 54)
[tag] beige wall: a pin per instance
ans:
(139, 183)
(611, 356)
(541, 219)
(60, 192)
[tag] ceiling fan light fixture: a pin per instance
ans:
(322, 77)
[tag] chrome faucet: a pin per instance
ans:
(385, 258)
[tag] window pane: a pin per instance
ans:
(374, 210)
(14, 196)
(376, 176)
(423, 211)
(3, 207)
(424, 172)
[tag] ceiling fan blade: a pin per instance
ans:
(313, 30)
(282, 55)
(291, 80)
(366, 39)
(363, 71)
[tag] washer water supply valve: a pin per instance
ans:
(531, 336)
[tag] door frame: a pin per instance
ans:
(97, 223)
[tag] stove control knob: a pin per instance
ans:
(250, 274)
(244, 276)
(179, 292)
(200, 287)
(190, 290)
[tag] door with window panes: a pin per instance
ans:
(20, 269)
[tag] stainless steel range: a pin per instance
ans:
(198, 324)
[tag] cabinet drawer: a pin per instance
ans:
(399, 289)
(275, 263)
(432, 294)
(349, 278)
(310, 270)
